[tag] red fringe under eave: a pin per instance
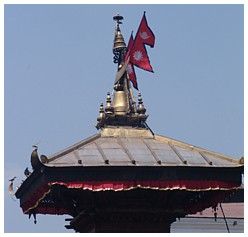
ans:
(186, 185)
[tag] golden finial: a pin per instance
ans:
(141, 108)
(118, 19)
(119, 43)
(101, 113)
(108, 108)
(121, 109)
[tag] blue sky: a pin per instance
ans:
(58, 69)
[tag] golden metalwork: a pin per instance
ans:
(126, 132)
(119, 40)
(121, 109)
(119, 43)
(101, 113)
(120, 103)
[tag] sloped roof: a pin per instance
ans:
(127, 146)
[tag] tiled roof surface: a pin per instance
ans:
(134, 146)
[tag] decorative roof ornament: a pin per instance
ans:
(101, 116)
(121, 109)
(123, 162)
(141, 108)
(119, 46)
(108, 108)
(35, 162)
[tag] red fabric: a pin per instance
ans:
(130, 68)
(132, 75)
(139, 56)
(129, 46)
(144, 33)
(190, 185)
(35, 198)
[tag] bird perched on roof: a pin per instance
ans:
(11, 189)
(12, 180)
(27, 172)
(35, 161)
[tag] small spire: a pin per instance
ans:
(118, 19)
(119, 46)
(121, 109)
(101, 113)
(108, 108)
(141, 108)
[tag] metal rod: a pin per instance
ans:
(152, 152)
(130, 93)
(106, 161)
(205, 158)
(149, 128)
(224, 218)
(177, 153)
(119, 141)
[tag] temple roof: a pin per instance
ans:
(126, 157)
(127, 146)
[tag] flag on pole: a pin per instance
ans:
(144, 33)
(132, 75)
(139, 56)
(138, 53)
(130, 68)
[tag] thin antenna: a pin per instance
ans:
(149, 128)
(224, 218)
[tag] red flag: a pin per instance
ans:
(139, 57)
(138, 54)
(129, 46)
(130, 67)
(144, 33)
(132, 75)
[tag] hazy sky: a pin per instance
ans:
(59, 68)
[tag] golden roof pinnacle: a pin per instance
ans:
(121, 109)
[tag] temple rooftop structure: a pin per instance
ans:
(128, 146)
(126, 178)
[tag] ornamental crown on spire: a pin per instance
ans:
(121, 109)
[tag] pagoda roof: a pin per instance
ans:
(126, 165)
(127, 146)
(126, 158)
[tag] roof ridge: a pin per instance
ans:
(126, 132)
(73, 147)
